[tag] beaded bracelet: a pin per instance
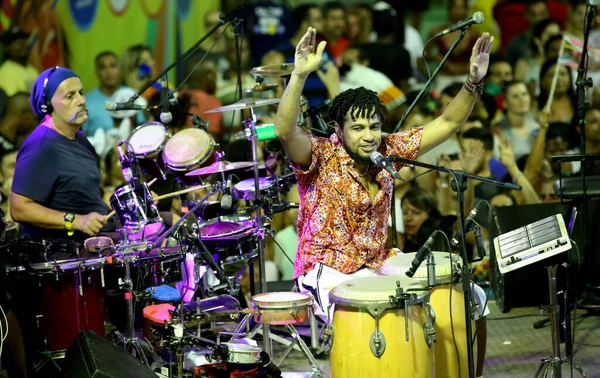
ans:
(474, 87)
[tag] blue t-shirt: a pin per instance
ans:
(269, 26)
(58, 173)
(98, 117)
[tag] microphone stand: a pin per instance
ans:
(459, 178)
(223, 20)
(462, 34)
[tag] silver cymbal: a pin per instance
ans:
(220, 166)
(282, 69)
(245, 103)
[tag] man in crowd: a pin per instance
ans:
(16, 75)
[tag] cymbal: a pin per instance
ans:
(220, 166)
(245, 103)
(263, 87)
(283, 69)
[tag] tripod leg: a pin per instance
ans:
(541, 371)
(577, 367)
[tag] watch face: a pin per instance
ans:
(69, 217)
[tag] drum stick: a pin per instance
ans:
(112, 213)
(173, 194)
(555, 77)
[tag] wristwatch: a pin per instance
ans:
(69, 218)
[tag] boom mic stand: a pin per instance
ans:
(459, 186)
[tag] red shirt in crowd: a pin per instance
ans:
(338, 225)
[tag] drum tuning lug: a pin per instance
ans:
(377, 340)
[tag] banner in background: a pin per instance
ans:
(71, 32)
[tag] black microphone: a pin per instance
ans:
(165, 115)
(280, 207)
(378, 159)
(479, 242)
(125, 106)
(227, 198)
(421, 255)
(476, 18)
(469, 221)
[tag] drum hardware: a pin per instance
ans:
(429, 327)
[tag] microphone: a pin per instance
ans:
(421, 255)
(476, 18)
(125, 106)
(469, 220)
(227, 198)
(263, 132)
(165, 114)
(479, 243)
(378, 159)
(280, 207)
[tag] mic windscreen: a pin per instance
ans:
(166, 117)
(478, 17)
(110, 105)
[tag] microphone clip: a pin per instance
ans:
(399, 300)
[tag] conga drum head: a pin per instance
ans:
(447, 266)
(148, 139)
(187, 149)
(363, 291)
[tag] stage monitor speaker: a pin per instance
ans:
(93, 356)
(527, 286)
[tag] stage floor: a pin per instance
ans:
(514, 347)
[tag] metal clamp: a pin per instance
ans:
(377, 340)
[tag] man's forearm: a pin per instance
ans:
(459, 109)
(289, 108)
(37, 215)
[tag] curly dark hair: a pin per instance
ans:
(360, 101)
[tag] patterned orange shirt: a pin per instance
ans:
(338, 225)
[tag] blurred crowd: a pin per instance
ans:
(524, 116)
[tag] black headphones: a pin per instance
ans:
(46, 106)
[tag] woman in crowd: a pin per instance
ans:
(564, 104)
(517, 126)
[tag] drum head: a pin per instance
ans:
(148, 138)
(187, 148)
(224, 226)
(248, 184)
(281, 297)
(363, 291)
(445, 266)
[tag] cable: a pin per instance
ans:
(575, 304)
(282, 250)
(2, 335)
(424, 56)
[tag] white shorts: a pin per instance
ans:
(322, 279)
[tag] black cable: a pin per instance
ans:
(515, 317)
(575, 306)
(282, 250)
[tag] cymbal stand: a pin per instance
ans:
(131, 343)
(551, 366)
(250, 123)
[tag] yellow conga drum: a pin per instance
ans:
(448, 302)
(376, 336)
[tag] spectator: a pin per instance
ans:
(456, 68)
(558, 142)
(17, 123)
(592, 139)
(16, 75)
(501, 72)
(576, 23)
(519, 46)
(216, 43)
(528, 194)
(564, 104)
(365, 13)
(334, 27)
(528, 67)
(357, 73)
(324, 83)
(477, 152)
(201, 88)
(8, 161)
(388, 55)
(552, 48)
(108, 72)
(138, 67)
(518, 126)
(269, 25)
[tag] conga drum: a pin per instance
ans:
(448, 302)
(373, 337)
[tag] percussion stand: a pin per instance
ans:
(551, 366)
(459, 186)
(260, 231)
(130, 341)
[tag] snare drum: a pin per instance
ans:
(279, 308)
(137, 212)
(66, 297)
(364, 315)
(447, 269)
(148, 141)
(187, 150)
